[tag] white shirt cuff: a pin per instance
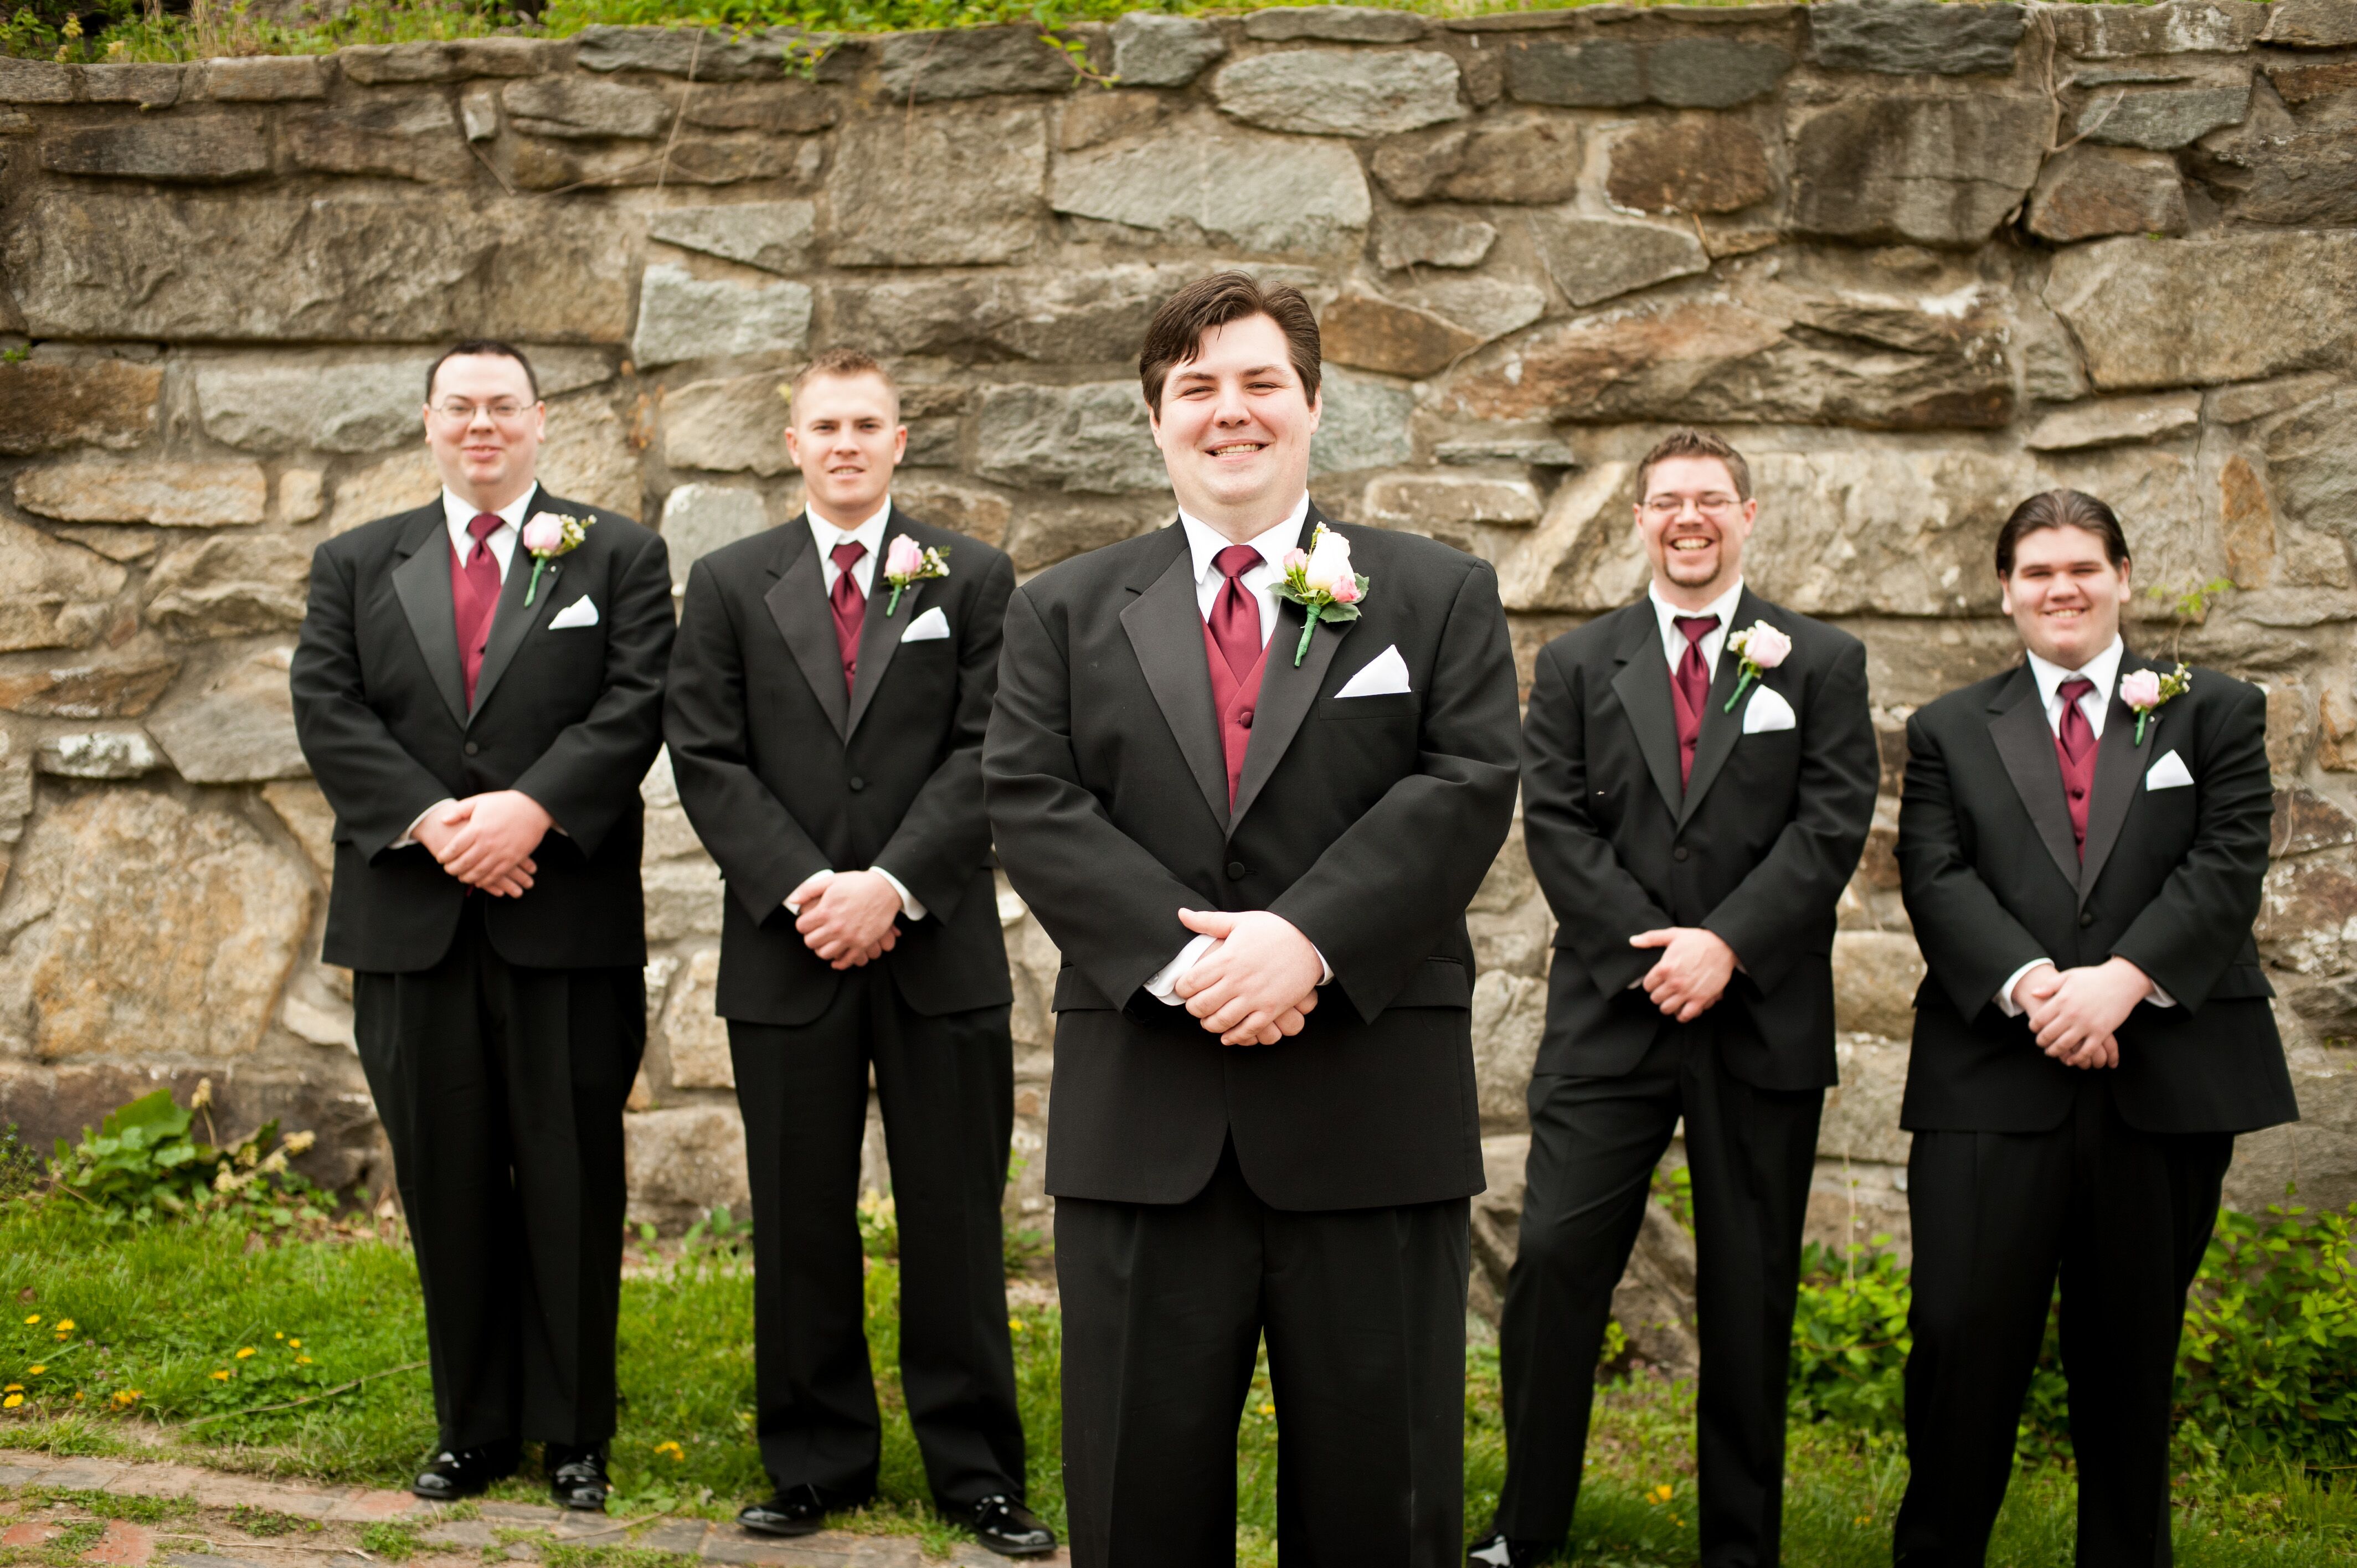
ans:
(405, 840)
(2005, 1002)
(816, 882)
(909, 904)
(1163, 986)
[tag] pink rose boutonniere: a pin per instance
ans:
(2145, 691)
(548, 534)
(1761, 647)
(904, 562)
(1320, 581)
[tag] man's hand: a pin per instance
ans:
(491, 839)
(2078, 1019)
(1690, 974)
(1258, 981)
(848, 920)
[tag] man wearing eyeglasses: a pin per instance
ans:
(1698, 776)
(479, 691)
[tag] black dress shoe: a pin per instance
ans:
(576, 1476)
(1006, 1527)
(1494, 1551)
(463, 1472)
(795, 1510)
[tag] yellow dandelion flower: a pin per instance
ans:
(1266, 1409)
(65, 1324)
(294, 1344)
(12, 1402)
(281, 1333)
(124, 1397)
(302, 1360)
(219, 1377)
(1660, 1494)
(678, 1454)
(35, 1319)
(242, 1355)
(1015, 1325)
(13, 1388)
(35, 1371)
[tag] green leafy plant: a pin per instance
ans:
(879, 1226)
(395, 1539)
(145, 1160)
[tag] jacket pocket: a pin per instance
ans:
(1075, 991)
(1383, 706)
(1436, 982)
(2241, 979)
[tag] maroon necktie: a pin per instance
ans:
(1234, 620)
(475, 594)
(1691, 689)
(849, 605)
(2074, 748)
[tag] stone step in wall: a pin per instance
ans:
(1917, 261)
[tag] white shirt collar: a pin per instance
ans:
(1205, 543)
(1674, 642)
(2103, 670)
(457, 514)
(870, 534)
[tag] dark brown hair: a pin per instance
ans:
(1696, 444)
(1176, 334)
(842, 363)
(2060, 508)
(484, 345)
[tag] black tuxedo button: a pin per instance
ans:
(857, 783)
(2086, 918)
(472, 749)
(1236, 871)
(1679, 852)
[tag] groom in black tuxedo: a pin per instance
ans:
(2081, 842)
(825, 720)
(1698, 776)
(1255, 851)
(478, 713)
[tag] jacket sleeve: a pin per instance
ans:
(1777, 915)
(588, 778)
(762, 852)
(1112, 907)
(375, 787)
(945, 835)
(1382, 897)
(2201, 918)
(1597, 905)
(1969, 939)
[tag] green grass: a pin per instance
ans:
(160, 1308)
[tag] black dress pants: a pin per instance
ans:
(947, 1085)
(2123, 1217)
(501, 1089)
(1594, 1144)
(1164, 1305)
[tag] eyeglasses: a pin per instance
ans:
(460, 412)
(1713, 505)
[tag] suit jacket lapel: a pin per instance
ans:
(513, 620)
(880, 634)
(2026, 746)
(422, 582)
(2119, 762)
(797, 603)
(1643, 687)
(1287, 690)
(1166, 632)
(1720, 728)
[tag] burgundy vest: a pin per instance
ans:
(1234, 700)
(2078, 783)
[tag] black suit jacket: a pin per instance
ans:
(2170, 883)
(1366, 821)
(570, 717)
(1755, 847)
(784, 774)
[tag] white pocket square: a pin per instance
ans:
(580, 612)
(2168, 773)
(1382, 675)
(1766, 711)
(927, 627)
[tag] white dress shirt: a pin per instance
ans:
(1674, 642)
(2103, 670)
(863, 573)
(1204, 543)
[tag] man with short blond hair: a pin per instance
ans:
(479, 691)
(825, 717)
(1699, 775)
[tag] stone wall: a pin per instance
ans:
(1919, 260)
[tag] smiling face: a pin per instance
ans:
(485, 427)
(847, 438)
(1234, 429)
(2064, 594)
(1694, 525)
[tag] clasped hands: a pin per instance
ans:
(1258, 981)
(2075, 1012)
(1691, 973)
(848, 916)
(486, 841)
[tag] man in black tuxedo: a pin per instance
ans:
(825, 720)
(1254, 838)
(479, 715)
(1698, 776)
(2080, 847)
